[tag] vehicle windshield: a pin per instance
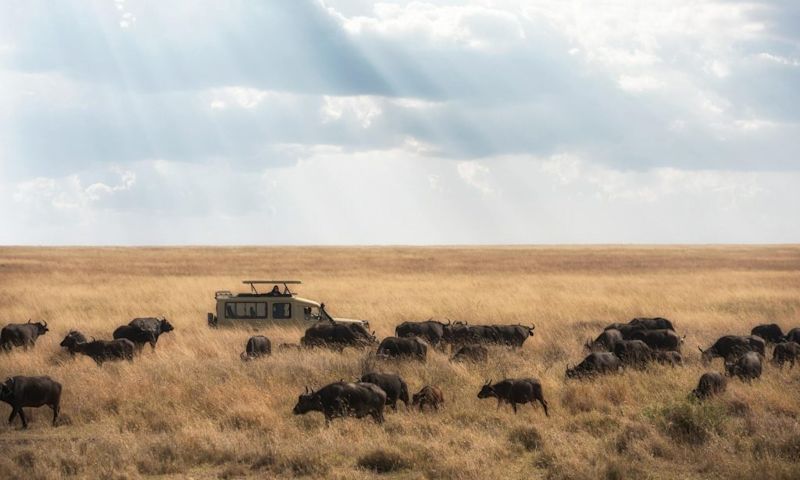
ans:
(311, 313)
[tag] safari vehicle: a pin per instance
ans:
(273, 306)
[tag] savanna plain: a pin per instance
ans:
(193, 409)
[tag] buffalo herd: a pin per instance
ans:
(619, 346)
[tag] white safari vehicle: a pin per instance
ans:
(273, 305)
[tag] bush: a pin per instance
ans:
(692, 423)
(383, 461)
(526, 437)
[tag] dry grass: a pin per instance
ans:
(193, 409)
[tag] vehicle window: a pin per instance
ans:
(311, 313)
(281, 310)
(246, 310)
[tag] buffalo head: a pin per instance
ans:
(164, 325)
(487, 390)
(307, 402)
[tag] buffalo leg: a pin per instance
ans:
(22, 416)
(13, 414)
(544, 405)
(514, 407)
(56, 409)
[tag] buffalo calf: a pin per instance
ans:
(747, 367)
(786, 352)
(257, 346)
(428, 395)
(710, 384)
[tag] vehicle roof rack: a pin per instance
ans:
(285, 284)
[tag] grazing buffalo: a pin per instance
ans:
(106, 350)
(257, 346)
(431, 331)
(342, 399)
(22, 391)
(73, 337)
(471, 353)
(732, 346)
(156, 325)
(793, 335)
(786, 352)
(515, 391)
(670, 358)
(428, 395)
(605, 341)
(394, 347)
(510, 335)
(337, 335)
(136, 335)
(595, 363)
(393, 385)
(658, 339)
(633, 353)
(746, 367)
(710, 384)
(770, 332)
(21, 334)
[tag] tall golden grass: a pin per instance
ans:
(193, 409)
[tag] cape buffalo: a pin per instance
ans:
(658, 339)
(428, 395)
(22, 391)
(711, 383)
(257, 346)
(746, 367)
(513, 335)
(510, 335)
(472, 353)
(786, 352)
(337, 335)
(73, 337)
(634, 353)
(595, 363)
(106, 350)
(393, 385)
(431, 331)
(136, 335)
(668, 358)
(657, 323)
(394, 347)
(605, 341)
(515, 391)
(731, 346)
(793, 335)
(21, 334)
(341, 399)
(157, 325)
(770, 332)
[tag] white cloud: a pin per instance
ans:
(362, 108)
(639, 83)
(792, 62)
(475, 174)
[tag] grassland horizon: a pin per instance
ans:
(192, 409)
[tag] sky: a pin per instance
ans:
(126, 122)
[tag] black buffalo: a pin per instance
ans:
(432, 331)
(642, 323)
(509, 335)
(793, 335)
(770, 332)
(21, 334)
(747, 367)
(732, 346)
(634, 353)
(136, 335)
(786, 352)
(257, 346)
(595, 363)
(658, 339)
(472, 353)
(342, 399)
(394, 347)
(156, 325)
(668, 358)
(337, 335)
(106, 350)
(515, 391)
(393, 385)
(605, 341)
(710, 384)
(71, 339)
(22, 391)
